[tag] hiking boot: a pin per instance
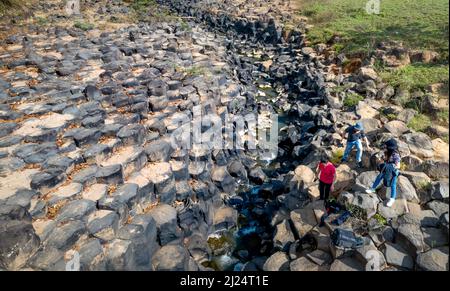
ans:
(390, 202)
(370, 191)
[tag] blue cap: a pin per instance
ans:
(358, 126)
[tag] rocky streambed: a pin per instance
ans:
(89, 171)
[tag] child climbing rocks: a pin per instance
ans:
(389, 171)
(354, 136)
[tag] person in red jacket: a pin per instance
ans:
(327, 176)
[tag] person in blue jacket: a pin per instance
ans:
(389, 171)
(355, 135)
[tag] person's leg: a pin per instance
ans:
(377, 181)
(359, 151)
(327, 191)
(348, 149)
(394, 188)
(321, 190)
(393, 192)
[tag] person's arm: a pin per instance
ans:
(366, 140)
(317, 171)
(344, 133)
(334, 180)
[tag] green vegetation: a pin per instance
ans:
(149, 10)
(380, 219)
(389, 116)
(416, 76)
(356, 211)
(194, 71)
(12, 7)
(84, 25)
(185, 26)
(442, 116)
(352, 100)
(425, 186)
(419, 24)
(336, 156)
(41, 20)
(420, 122)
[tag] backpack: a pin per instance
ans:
(346, 239)
(332, 206)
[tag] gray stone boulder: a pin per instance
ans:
(411, 238)
(406, 190)
(279, 261)
(103, 224)
(65, 236)
(440, 190)
(171, 258)
(368, 202)
(433, 260)
(434, 237)
(396, 127)
(283, 235)
(438, 207)
(303, 264)
(165, 217)
(119, 256)
(346, 264)
(18, 238)
(76, 210)
(419, 144)
(396, 256)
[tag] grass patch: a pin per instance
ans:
(425, 186)
(380, 219)
(84, 25)
(416, 76)
(184, 26)
(13, 7)
(352, 100)
(420, 122)
(336, 156)
(195, 71)
(389, 116)
(419, 24)
(149, 10)
(356, 211)
(442, 116)
(41, 20)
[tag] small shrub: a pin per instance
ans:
(425, 186)
(420, 122)
(195, 71)
(352, 100)
(380, 219)
(84, 25)
(442, 116)
(336, 156)
(41, 20)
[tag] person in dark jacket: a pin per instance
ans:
(355, 136)
(389, 171)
